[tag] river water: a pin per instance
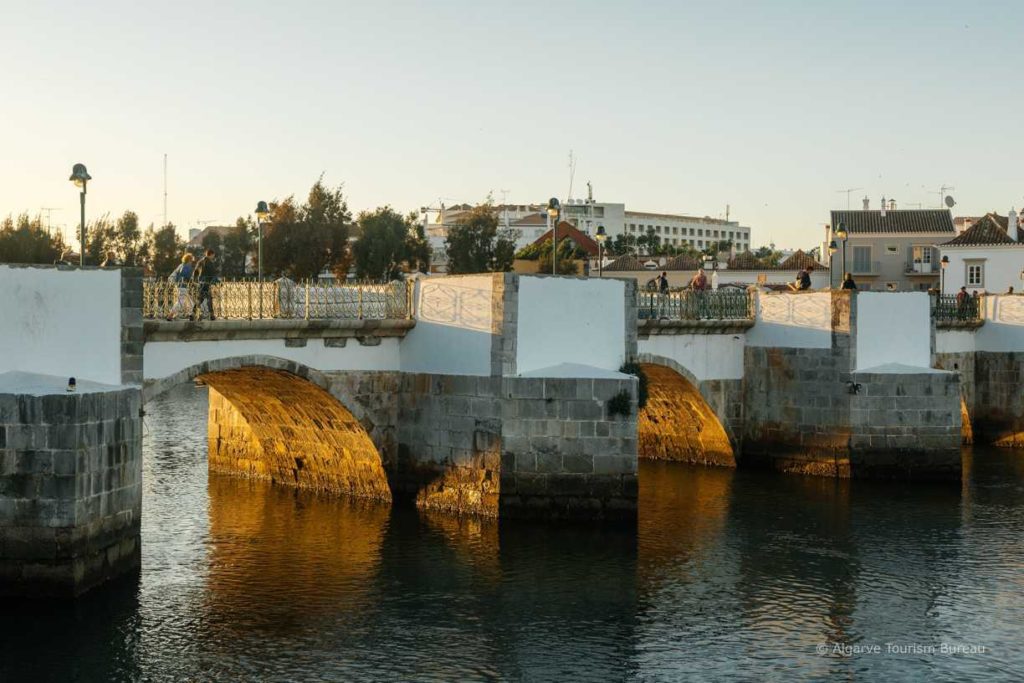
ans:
(740, 575)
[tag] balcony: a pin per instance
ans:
(919, 269)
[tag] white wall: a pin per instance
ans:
(792, 320)
(1004, 324)
(161, 359)
(1003, 265)
(707, 356)
(65, 323)
(893, 328)
(570, 320)
(453, 331)
(954, 341)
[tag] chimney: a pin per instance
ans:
(1011, 224)
(883, 206)
(892, 204)
(867, 203)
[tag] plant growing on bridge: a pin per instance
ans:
(620, 404)
(635, 369)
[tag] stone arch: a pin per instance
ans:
(278, 420)
(678, 423)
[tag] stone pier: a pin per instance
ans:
(70, 484)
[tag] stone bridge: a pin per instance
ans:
(498, 395)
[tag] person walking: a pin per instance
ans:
(207, 274)
(962, 302)
(180, 278)
(848, 282)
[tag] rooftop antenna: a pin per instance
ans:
(49, 210)
(504, 205)
(165, 190)
(726, 213)
(942, 194)
(572, 173)
(848, 191)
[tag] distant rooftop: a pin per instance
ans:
(900, 221)
(989, 230)
(680, 217)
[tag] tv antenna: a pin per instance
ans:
(848, 191)
(49, 210)
(572, 174)
(942, 196)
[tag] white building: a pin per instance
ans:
(987, 257)
(530, 221)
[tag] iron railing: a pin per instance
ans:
(695, 305)
(946, 309)
(252, 300)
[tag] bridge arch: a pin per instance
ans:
(278, 420)
(678, 423)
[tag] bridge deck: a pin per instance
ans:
(219, 330)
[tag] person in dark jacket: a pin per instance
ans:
(848, 282)
(207, 274)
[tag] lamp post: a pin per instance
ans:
(942, 274)
(261, 215)
(832, 248)
(601, 237)
(80, 177)
(842, 236)
(554, 212)
(262, 211)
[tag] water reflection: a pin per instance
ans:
(729, 574)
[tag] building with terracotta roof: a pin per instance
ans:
(986, 257)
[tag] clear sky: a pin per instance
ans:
(669, 106)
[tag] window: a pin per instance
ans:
(632, 227)
(862, 259)
(700, 232)
(975, 274)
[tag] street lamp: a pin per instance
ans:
(842, 236)
(554, 212)
(262, 211)
(80, 177)
(944, 262)
(832, 248)
(601, 237)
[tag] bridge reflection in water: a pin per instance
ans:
(730, 573)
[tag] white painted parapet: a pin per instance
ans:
(792, 320)
(64, 322)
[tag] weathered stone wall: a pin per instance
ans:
(905, 426)
(70, 490)
(962, 363)
(998, 406)
(678, 423)
(563, 454)
(132, 336)
(271, 425)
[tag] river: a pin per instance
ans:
(729, 575)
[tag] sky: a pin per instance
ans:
(683, 107)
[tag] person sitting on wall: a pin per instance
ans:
(699, 282)
(805, 278)
(1010, 290)
(848, 282)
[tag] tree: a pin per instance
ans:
(164, 249)
(303, 241)
(768, 255)
(100, 237)
(26, 241)
(475, 245)
(126, 240)
(568, 254)
(386, 244)
(236, 247)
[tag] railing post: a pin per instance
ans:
(306, 315)
(248, 289)
(359, 309)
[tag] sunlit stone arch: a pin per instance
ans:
(678, 423)
(278, 420)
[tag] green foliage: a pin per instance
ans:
(387, 244)
(25, 240)
(635, 369)
(301, 241)
(567, 252)
(236, 246)
(475, 245)
(163, 249)
(768, 255)
(620, 404)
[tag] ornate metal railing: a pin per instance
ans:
(252, 300)
(946, 309)
(695, 305)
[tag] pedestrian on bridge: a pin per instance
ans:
(206, 274)
(180, 277)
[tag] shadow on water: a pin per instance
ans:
(729, 574)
